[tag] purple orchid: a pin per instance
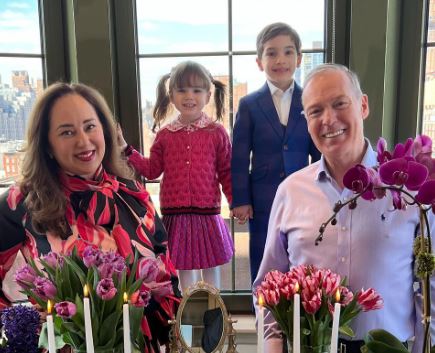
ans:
(65, 309)
(422, 145)
(402, 171)
(400, 150)
(426, 194)
(357, 179)
(106, 289)
(383, 154)
(44, 288)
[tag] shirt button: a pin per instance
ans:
(188, 147)
(343, 259)
(282, 174)
(187, 162)
(285, 147)
(343, 228)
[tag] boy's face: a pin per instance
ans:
(279, 61)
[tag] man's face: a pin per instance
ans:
(279, 61)
(335, 115)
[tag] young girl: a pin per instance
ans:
(193, 152)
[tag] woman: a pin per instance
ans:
(77, 191)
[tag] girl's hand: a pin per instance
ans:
(120, 137)
(242, 213)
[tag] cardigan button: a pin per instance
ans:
(187, 162)
(285, 147)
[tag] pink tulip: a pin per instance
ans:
(369, 300)
(25, 276)
(311, 301)
(106, 289)
(44, 288)
(65, 309)
(148, 269)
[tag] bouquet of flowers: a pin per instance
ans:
(20, 329)
(408, 173)
(109, 278)
(319, 290)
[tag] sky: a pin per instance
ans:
(174, 26)
(19, 33)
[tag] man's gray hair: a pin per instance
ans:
(353, 78)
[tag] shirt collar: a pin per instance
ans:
(369, 160)
(273, 88)
(199, 123)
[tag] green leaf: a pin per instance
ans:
(43, 339)
(108, 328)
(385, 337)
(380, 347)
(346, 330)
(136, 314)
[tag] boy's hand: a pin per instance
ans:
(242, 213)
(120, 137)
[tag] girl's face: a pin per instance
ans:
(190, 101)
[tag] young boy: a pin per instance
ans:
(270, 138)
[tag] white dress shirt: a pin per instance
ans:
(370, 245)
(282, 101)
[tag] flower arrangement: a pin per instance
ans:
(107, 276)
(319, 290)
(408, 174)
(20, 329)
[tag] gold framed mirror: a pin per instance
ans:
(202, 324)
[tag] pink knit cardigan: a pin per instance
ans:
(193, 162)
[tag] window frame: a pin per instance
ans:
(334, 12)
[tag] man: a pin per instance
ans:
(369, 245)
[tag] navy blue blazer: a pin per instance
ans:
(264, 151)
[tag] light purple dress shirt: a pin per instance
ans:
(370, 245)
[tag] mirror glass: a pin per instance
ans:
(201, 320)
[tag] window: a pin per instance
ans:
(428, 125)
(221, 36)
(21, 78)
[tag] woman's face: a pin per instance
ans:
(76, 136)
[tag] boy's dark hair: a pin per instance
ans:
(277, 29)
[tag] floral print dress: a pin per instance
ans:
(110, 213)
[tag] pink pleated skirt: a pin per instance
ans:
(198, 241)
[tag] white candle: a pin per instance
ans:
(126, 325)
(260, 325)
(88, 322)
(335, 323)
(50, 330)
(296, 321)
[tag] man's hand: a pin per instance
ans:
(242, 213)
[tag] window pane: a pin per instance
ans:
(429, 96)
(306, 17)
(19, 27)
(248, 77)
(181, 26)
(429, 85)
(20, 83)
